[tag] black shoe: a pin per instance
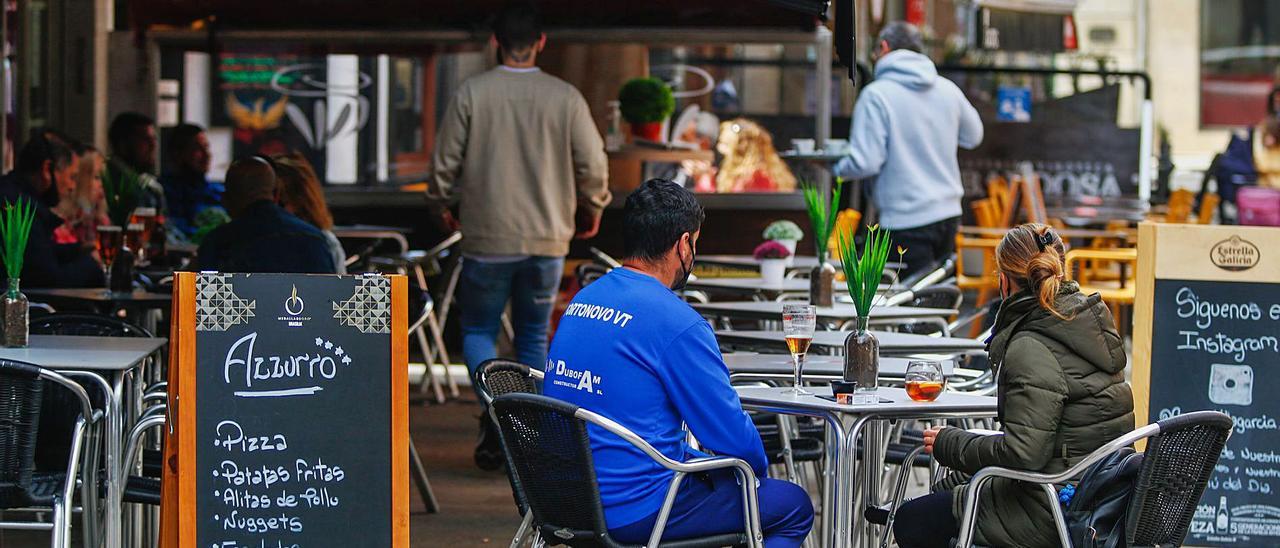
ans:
(876, 515)
(488, 454)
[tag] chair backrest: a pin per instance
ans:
(589, 272)
(500, 376)
(938, 296)
(85, 325)
(549, 453)
(21, 390)
(1175, 470)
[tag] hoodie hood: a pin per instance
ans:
(1088, 331)
(906, 67)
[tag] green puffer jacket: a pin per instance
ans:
(1062, 395)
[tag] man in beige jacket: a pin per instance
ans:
(520, 153)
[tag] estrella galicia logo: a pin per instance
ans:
(294, 304)
(293, 307)
(1235, 254)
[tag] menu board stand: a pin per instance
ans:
(1207, 336)
(288, 412)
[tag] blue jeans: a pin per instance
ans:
(711, 504)
(484, 289)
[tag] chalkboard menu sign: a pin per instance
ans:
(292, 412)
(1208, 337)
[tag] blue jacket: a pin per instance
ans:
(185, 197)
(47, 263)
(907, 125)
(631, 350)
(266, 238)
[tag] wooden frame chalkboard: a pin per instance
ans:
(1207, 336)
(289, 400)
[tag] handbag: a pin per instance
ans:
(1096, 514)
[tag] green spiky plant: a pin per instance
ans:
(15, 228)
(822, 213)
(863, 273)
(122, 187)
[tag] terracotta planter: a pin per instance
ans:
(651, 131)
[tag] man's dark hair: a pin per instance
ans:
(655, 216)
(517, 27)
(125, 126)
(180, 138)
(902, 35)
(40, 147)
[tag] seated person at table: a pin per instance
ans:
(43, 162)
(651, 363)
(186, 190)
(1062, 395)
(301, 195)
(261, 236)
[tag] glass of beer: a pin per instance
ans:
(145, 216)
(924, 380)
(133, 238)
(798, 321)
(110, 238)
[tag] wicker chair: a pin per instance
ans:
(21, 485)
(549, 453)
(589, 272)
(1180, 457)
(499, 377)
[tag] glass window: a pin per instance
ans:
(1239, 50)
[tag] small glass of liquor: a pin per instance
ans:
(924, 380)
(798, 321)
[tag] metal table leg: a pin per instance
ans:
(419, 474)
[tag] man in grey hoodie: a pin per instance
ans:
(906, 127)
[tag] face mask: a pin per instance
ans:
(685, 271)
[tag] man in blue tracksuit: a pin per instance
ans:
(630, 349)
(906, 127)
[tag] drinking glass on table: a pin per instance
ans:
(145, 216)
(110, 238)
(798, 322)
(924, 380)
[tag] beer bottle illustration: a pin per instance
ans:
(1223, 518)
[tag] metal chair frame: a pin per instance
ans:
(751, 510)
(969, 520)
(60, 526)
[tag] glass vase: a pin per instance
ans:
(16, 312)
(821, 281)
(862, 358)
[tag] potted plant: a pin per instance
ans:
(822, 217)
(785, 232)
(773, 261)
(646, 103)
(15, 228)
(121, 188)
(863, 274)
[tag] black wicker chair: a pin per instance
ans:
(549, 453)
(1181, 454)
(22, 485)
(938, 296)
(586, 273)
(85, 325)
(500, 376)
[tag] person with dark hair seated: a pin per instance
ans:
(187, 191)
(262, 237)
(44, 163)
(654, 366)
(132, 137)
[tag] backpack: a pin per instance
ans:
(1096, 514)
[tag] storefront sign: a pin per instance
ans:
(1088, 159)
(1013, 104)
(1207, 336)
(291, 410)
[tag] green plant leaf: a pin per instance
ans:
(15, 230)
(863, 272)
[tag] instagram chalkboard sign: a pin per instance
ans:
(291, 411)
(1208, 337)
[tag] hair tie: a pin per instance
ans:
(1045, 240)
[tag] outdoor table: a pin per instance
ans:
(891, 344)
(845, 423)
(116, 357)
(838, 314)
(750, 366)
(758, 288)
(1069, 233)
(799, 262)
(137, 302)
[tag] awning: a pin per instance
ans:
(1060, 7)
